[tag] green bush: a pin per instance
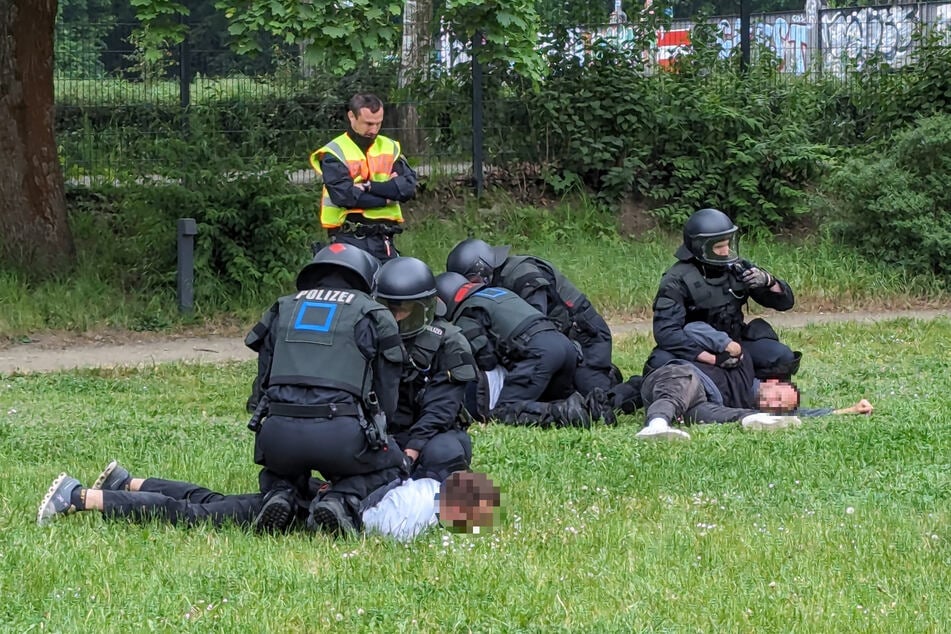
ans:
(702, 135)
(254, 232)
(897, 205)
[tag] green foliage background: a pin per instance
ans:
(857, 163)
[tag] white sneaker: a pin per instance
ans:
(659, 429)
(764, 421)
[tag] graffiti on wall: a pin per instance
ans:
(786, 36)
(848, 37)
(853, 36)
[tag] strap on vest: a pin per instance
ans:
(329, 410)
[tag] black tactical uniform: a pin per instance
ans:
(503, 329)
(538, 282)
(329, 360)
(707, 287)
(429, 416)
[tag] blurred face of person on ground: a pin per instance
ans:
(777, 396)
(367, 123)
(469, 502)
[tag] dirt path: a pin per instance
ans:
(56, 352)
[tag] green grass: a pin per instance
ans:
(620, 275)
(731, 531)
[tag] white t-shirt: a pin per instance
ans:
(496, 381)
(405, 511)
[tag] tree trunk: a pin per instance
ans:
(34, 229)
(414, 59)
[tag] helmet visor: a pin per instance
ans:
(413, 314)
(718, 249)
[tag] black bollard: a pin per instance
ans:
(187, 230)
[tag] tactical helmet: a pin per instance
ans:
(407, 287)
(454, 288)
(340, 256)
(704, 229)
(476, 258)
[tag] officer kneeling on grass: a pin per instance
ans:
(429, 424)
(711, 284)
(539, 361)
(329, 366)
(542, 285)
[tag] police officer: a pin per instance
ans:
(539, 362)
(329, 365)
(365, 179)
(543, 286)
(429, 423)
(710, 283)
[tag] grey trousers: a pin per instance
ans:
(674, 391)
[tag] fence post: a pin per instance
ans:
(477, 175)
(187, 230)
(745, 10)
(184, 72)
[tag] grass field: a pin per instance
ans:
(840, 525)
(619, 274)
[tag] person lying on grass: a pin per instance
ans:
(726, 392)
(464, 502)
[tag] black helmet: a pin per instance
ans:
(704, 229)
(407, 287)
(453, 288)
(476, 258)
(340, 256)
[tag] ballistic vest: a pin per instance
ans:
(439, 348)
(718, 301)
(375, 165)
(524, 274)
(315, 344)
(510, 315)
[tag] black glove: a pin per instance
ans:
(755, 278)
(727, 361)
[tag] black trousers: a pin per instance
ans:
(289, 449)
(444, 453)
(546, 373)
(675, 391)
(594, 336)
(379, 245)
(181, 503)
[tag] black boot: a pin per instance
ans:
(626, 397)
(528, 414)
(600, 406)
(571, 412)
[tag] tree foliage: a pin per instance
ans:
(342, 34)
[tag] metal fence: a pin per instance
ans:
(119, 117)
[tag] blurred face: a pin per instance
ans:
(367, 123)
(778, 396)
(466, 517)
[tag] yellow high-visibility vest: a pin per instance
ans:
(375, 165)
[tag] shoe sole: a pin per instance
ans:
(101, 480)
(41, 517)
(274, 517)
(778, 422)
(329, 522)
(668, 434)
